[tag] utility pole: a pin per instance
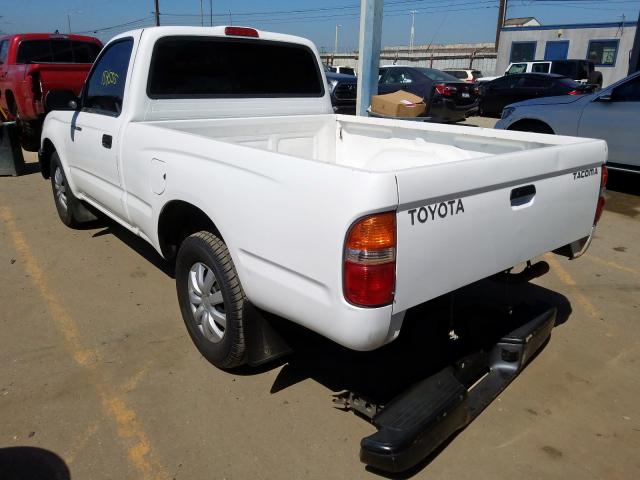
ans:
(69, 22)
(634, 61)
(156, 12)
(368, 52)
(335, 45)
(211, 13)
(413, 29)
(201, 15)
(502, 11)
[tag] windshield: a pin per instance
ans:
(437, 75)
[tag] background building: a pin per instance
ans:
(609, 45)
(479, 56)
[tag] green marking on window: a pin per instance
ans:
(109, 78)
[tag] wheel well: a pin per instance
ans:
(45, 158)
(530, 125)
(177, 221)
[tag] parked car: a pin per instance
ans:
(448, 99)
(495, 95)
(582, 71)
(31, 64)
(343, 90)
(342, 69)
(611, 114)
(466, 75)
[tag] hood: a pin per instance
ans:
(559, 100)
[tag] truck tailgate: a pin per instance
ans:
(61, 76)
(462, 221)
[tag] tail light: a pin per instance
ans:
(445, 90)
(604, 176)
(370, 261)
(575, 92)
(36, 85)
(241, 32)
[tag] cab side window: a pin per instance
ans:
(517, 68)
(105, 88)
(4, 50)
(540, 68)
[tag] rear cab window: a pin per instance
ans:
(57, 50)
(210, 67)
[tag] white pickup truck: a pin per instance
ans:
(194, 140)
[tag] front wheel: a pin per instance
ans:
(211, 299)
(70, 210)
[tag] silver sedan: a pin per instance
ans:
(612, 114)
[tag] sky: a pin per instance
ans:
(436, 21)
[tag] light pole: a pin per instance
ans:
(156, 12)
(413, 29)
(335, 45)
(201, 15)
(78, 12)
(211, 13)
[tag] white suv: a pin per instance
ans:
(579, 70)
(464, 74)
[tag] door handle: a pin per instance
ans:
(106, 141)
(522, 195)
(78, 129)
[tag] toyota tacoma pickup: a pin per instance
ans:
(31, 64)
(269, 202)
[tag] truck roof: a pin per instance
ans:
(217, 31)
(45, 36)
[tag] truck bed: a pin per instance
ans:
(373, 145)
(471, 201)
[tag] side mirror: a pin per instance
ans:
(60, 100)
(607, 97)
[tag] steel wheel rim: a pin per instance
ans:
(60, 187)
(206, 302)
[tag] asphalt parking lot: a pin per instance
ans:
(96, 367)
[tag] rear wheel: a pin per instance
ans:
(30, 134)
(211, 299)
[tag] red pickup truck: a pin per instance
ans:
(31, 64)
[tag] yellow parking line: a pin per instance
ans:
(568, 280)
(127, 423)
(610, 264)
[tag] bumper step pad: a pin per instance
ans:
(414, 424)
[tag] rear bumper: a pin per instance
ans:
(414, 424)
(448, 111)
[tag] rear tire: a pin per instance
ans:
(30, 134)
(70, 210)
(211, 299)
(595, 78)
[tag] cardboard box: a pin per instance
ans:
(398, 104)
